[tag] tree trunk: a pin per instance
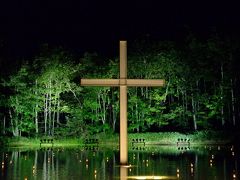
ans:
(136, 112)
(4, 125)
(100, 107)
(58, 107)
(114, 119)
(54, 108)
(50, 108)
(166, 92)
(197, 101)
(36, 119)
(45, 113)
(233, 105)
(194, 113)
(54, 113)
(36, 111)
(183, 105)
(58, 112)
(14, 125)
(104, 107)
(221, 88)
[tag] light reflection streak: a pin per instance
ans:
(192, 170)
(34, 170)
(95, 173)
(178, 171)
(143, 166)
(211, 162)
(2, 165)
(151, 177)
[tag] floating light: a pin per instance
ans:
(191, 170)
(234, 176)
(178, 171)
(34, 170)
(126, 166)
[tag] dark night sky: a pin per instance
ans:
(96, 25)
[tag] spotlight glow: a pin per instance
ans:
(152, 177)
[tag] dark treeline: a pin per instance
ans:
(43, 96)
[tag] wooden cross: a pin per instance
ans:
(123, 83)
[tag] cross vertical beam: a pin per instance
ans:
(123, 83)
(123, 60)
(123, 104)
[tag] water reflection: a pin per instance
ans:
(103, 163)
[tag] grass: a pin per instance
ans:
(35, 142)
(162, 138)
(197, 138)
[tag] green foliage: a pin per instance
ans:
(44, 97)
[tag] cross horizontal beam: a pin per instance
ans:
(123, 82)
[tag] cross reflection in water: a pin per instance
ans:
(152, 163)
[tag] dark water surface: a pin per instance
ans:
(102, 163)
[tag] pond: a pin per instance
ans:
(102, 163)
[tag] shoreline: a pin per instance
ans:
(200, 138)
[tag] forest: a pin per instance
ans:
(42, 96)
